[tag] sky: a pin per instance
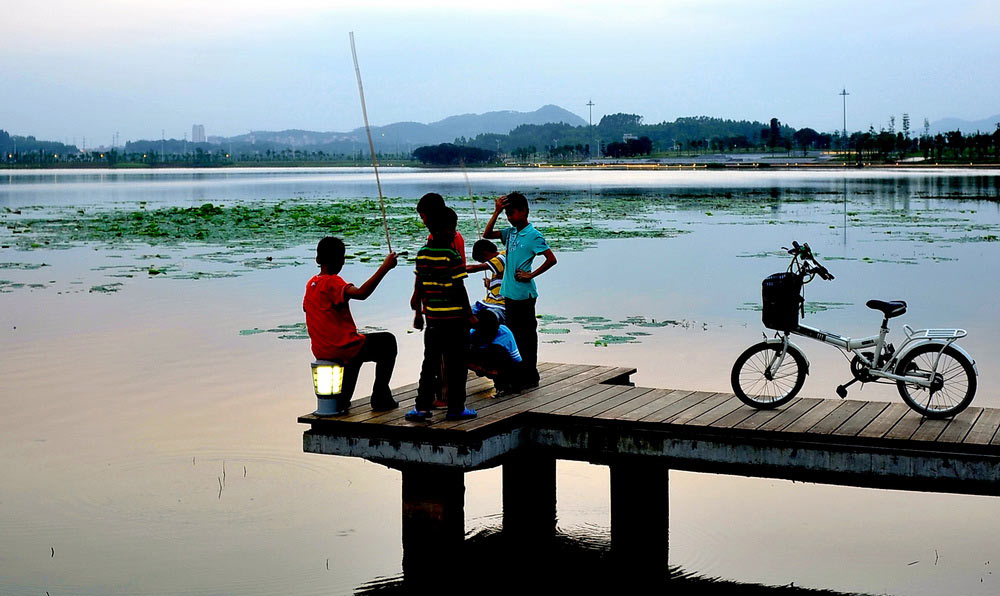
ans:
(75, 69)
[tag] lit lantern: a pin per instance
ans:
(328, 381)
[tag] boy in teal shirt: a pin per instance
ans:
(523, 243)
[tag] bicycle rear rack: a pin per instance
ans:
(940, 334)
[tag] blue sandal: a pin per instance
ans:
(463, 415)
(416, 415)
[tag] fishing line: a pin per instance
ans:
(371, 144)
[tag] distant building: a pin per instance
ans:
(198, 133)
(628, 137)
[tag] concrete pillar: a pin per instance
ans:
(640, 520)
(529, 497)
(433, 518)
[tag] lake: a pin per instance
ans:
(151, 374)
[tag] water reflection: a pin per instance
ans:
(570, 564)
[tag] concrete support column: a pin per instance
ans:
(640, 519)
(433, 518)
(529, 496)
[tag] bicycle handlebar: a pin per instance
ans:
(803, 252)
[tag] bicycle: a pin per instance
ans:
(934, 375)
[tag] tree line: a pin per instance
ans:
(615, 136)
(625, 135)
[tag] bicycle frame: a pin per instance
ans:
(941, 337)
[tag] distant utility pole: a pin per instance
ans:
(844, 94)
(590, 121)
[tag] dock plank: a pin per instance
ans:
(930, 430)
(595, 394)
(698, 409)
(676, 405)
(558, 377)
(645, 402)
(737, 416)
(861, 419)
(984, 429)
(790, 414)
(907, 425)
(571, 399)
(960, 426)
(595, 403)
(810, 418)
(882, 423)
(647, 405)
(756, 419)
(836, 418)
(712, 416)
(536, 398)
(635, 400)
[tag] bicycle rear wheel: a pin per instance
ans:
(952, 387)
(756, 387)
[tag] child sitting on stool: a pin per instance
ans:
(493, 352)
(333, 332)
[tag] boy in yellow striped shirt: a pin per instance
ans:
(439, 296)
(494, 261)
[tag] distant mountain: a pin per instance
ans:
(986, 125)
(470, 125)
(409, 135)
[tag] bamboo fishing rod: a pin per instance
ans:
(472, 197)
(371, 144)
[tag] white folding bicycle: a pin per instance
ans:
(933, 374)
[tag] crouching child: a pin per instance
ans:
(493, 352)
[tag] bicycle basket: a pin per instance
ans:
(782, 299)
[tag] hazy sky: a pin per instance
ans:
(75, 68)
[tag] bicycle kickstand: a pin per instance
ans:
(842, 389)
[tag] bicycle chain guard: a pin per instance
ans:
(859, 369)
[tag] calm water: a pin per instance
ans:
(147, 447)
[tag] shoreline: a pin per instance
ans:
(745, 166)
(648, 164)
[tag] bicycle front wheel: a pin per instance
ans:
(757, 386)
(952, 387)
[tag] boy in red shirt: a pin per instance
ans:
(332, 330)
(432, 201)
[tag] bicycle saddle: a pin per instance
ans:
(890, 309)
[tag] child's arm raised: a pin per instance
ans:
(476, 267)
(369, 286)
(488, 232)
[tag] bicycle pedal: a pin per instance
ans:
(841, 391)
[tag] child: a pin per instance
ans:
(440, 296)
(431, 202)
(493, 351)
(332, 330)
(523, 243)
(493, 261)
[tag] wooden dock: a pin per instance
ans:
(594, 414)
